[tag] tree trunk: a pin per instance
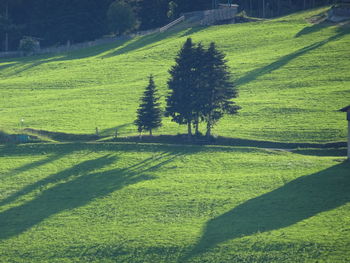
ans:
(189, 129)
(6, 34)
(208, 134)
(197, 126)
(6, 42)
(150, 132)
(263, 9)
(251, 8)
(279, 8)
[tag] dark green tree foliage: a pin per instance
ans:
(57, 21)
(9, 31)
(218, 89)
(153, 13)
(6, 27)
(121, 17)
(172, 11)
(149, 114)
(200, 87)
(182, 85)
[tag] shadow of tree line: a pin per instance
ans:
(72, 188)
(256, 73)
(119, 47)
(298, 200)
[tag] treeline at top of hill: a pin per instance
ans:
(57, 22)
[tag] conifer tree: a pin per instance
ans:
(182, 85)
(199, 86)
(218, 91)
(149, 114)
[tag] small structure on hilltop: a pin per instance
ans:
(29, 45)
(221, 13)
(347, 110)
(340, 11)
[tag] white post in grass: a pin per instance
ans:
(347, 110)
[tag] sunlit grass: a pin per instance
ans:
(292, 77)
(158, 203)
(135, 202)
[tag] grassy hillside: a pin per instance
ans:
(150, 203)
(292, 76)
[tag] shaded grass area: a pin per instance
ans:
(180, 139)
(225, 141)
(297, 200)
(134, 202)
(253, 75)
(63, 137)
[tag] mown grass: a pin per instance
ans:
(292, 77)
(161, 203)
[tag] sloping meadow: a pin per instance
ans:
(292, 76)
(149, 202)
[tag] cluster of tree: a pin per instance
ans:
(200, 87)
(59, 21)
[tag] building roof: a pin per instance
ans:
(346, 109)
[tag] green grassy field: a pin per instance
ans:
(159, 203)
(292, 77)
(153, 202)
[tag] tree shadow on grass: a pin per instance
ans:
(13, 150)
(141, 42)
(31, 165)
(62, 136)
(95, 50)
(192, 30)
(277, 145)
(54, 152)
(254, 74)
(28, 63)
(111, 131)
(20, 67)
(9, 65)
(313, 29)
(340, 152)
(84, 167)
(72, 188)
(298, 200)
(120, 46)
